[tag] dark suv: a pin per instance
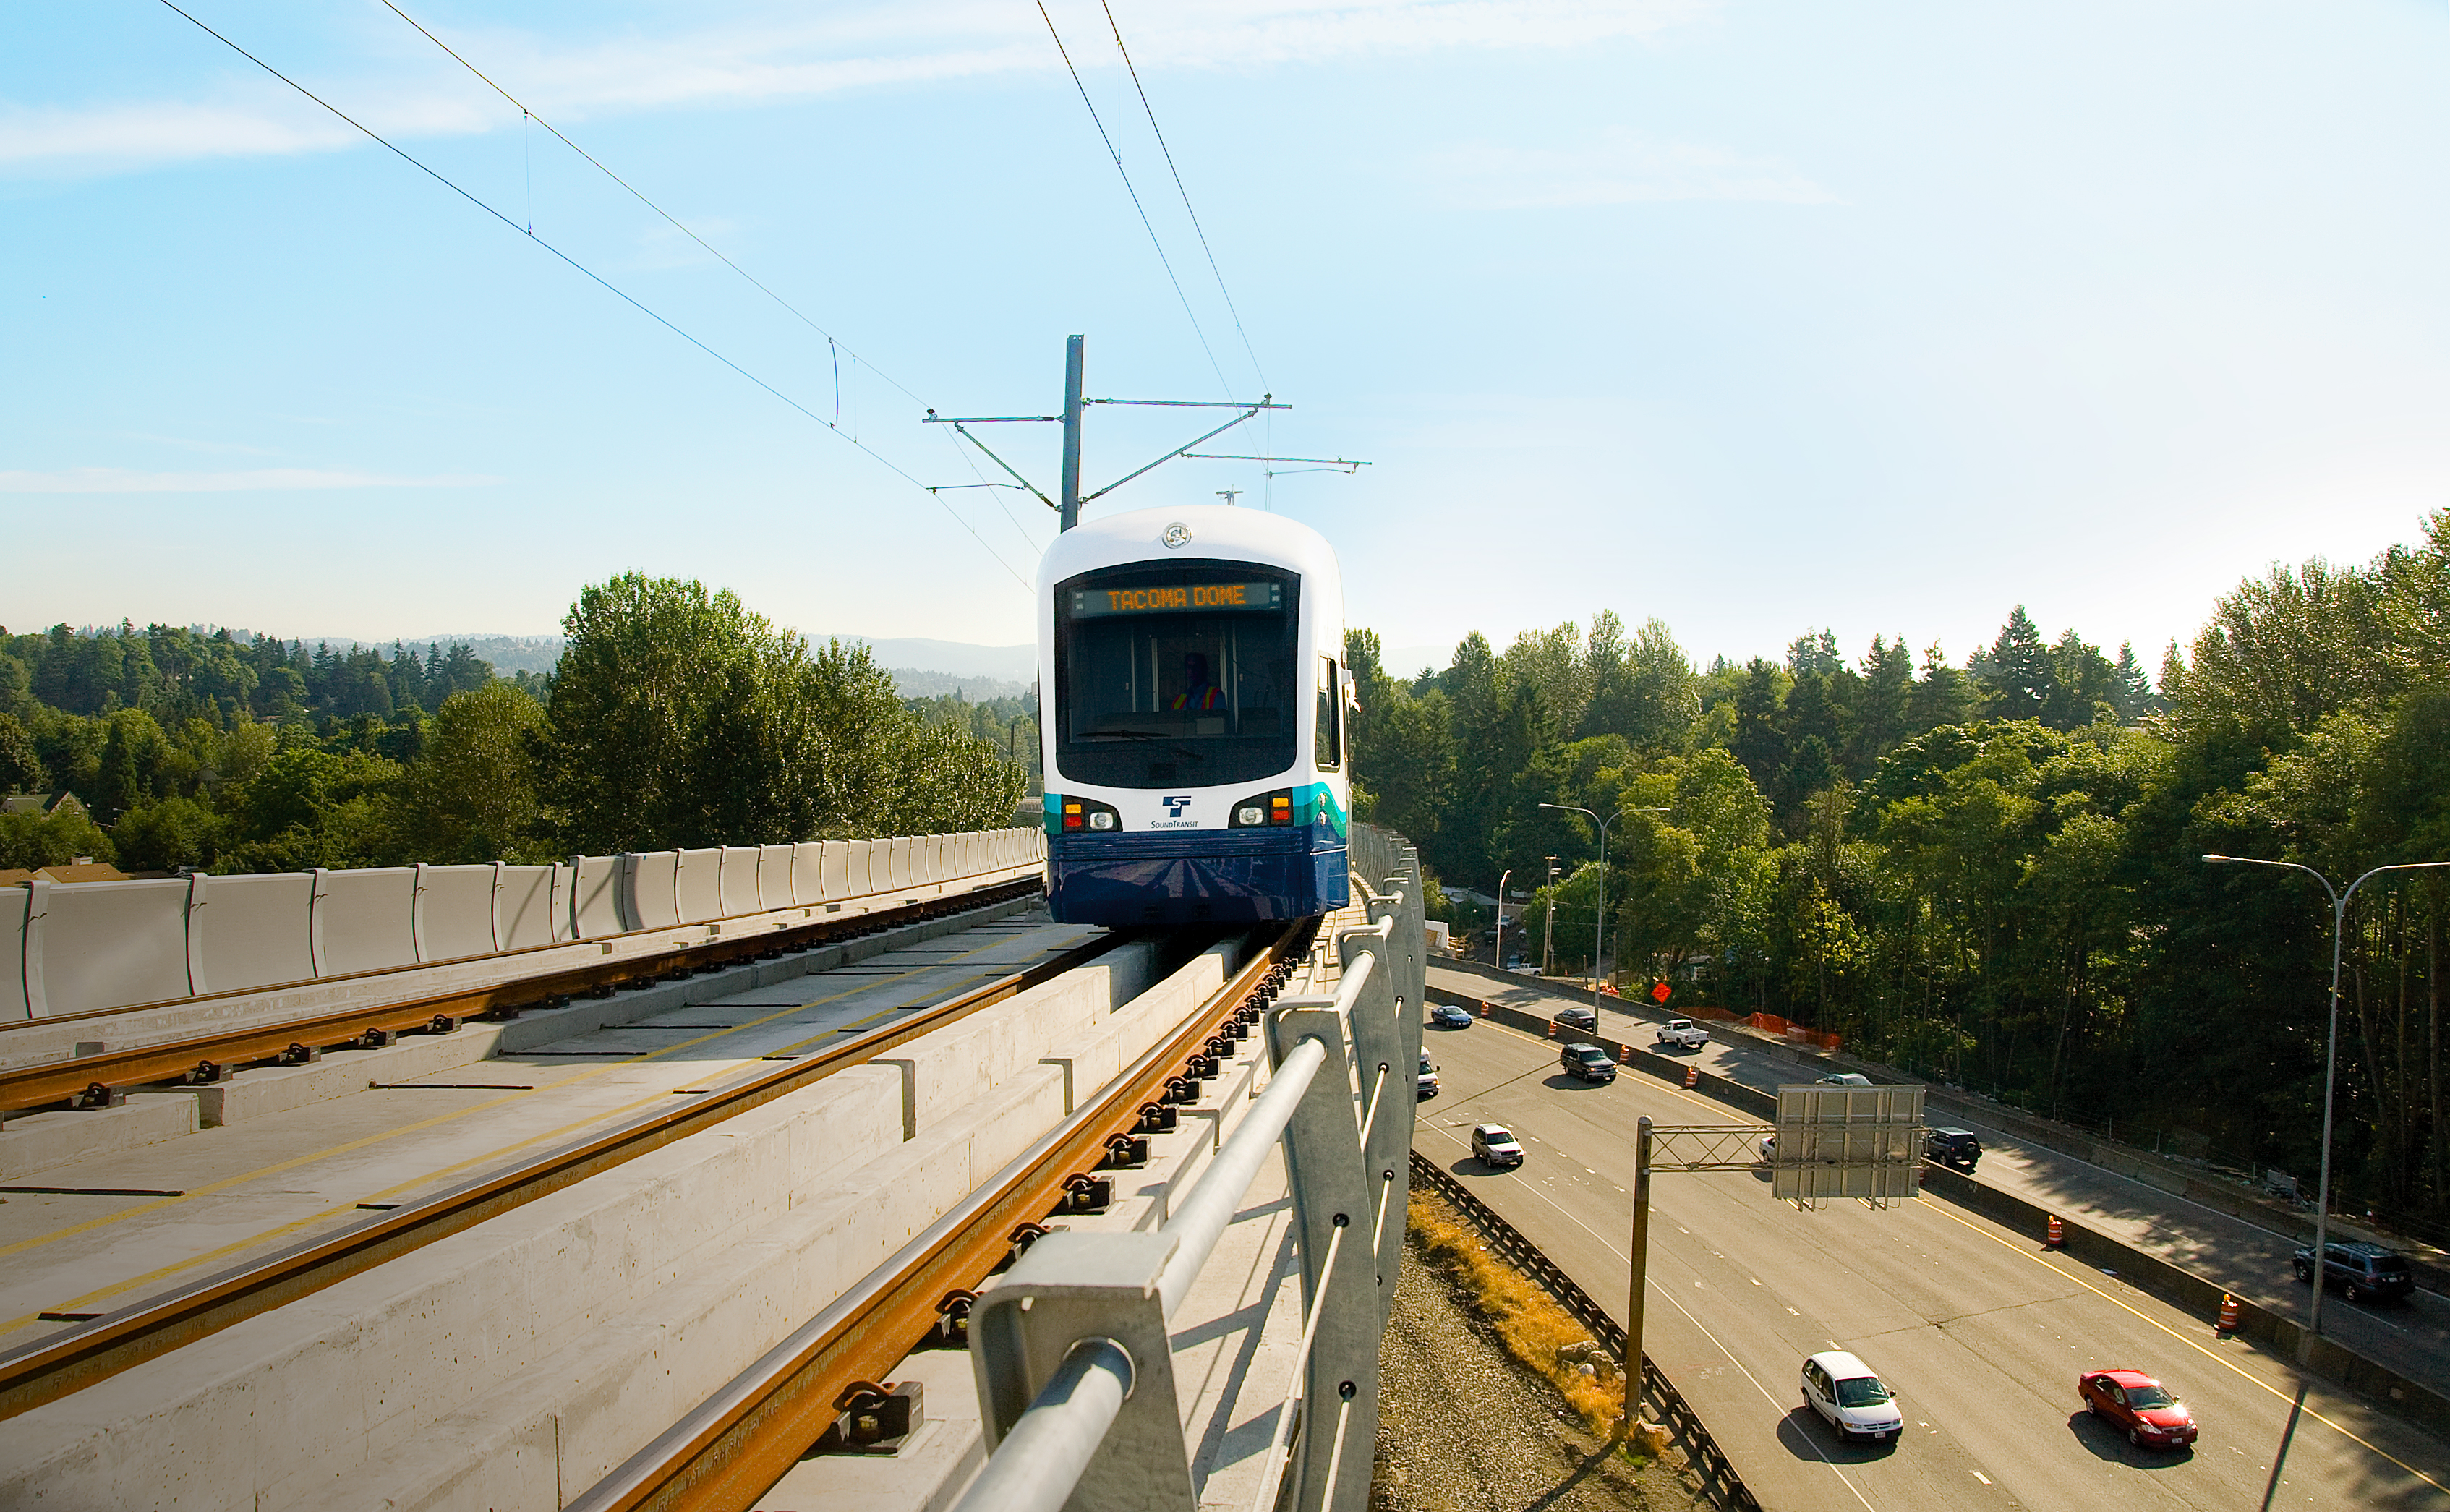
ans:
(2359, 1269)
(1953, 1147)
(1589, 1063)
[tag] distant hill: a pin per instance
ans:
(912, 681)
(1014, 664)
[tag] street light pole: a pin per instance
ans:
(2331, 1054)
(1599, 924)
(1548, 945)
(1499, 960)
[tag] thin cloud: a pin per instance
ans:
(741, 65)
(1615, 168)
(125, 480)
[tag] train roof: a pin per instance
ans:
(1213, 531)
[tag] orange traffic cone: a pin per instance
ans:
(1552, 1028)
(1692, 1076)
(1484, 1010)
(2058, 1233)
(2227, 1314)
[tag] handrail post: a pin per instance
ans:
(1324, 1169)
(1389, 1099)
(1069, 1289)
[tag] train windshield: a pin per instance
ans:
(1178, 675)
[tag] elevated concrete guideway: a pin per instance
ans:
(2231, 1252)
(1980, 1333)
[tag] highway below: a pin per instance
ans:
(2411, 1337)
(1981, 1334)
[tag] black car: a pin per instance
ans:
(1951, 1147)
(1582, 1019)
(2359, 1269)
(1589, 1063)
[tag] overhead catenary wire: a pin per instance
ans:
(1184, 190)
(667, 217)
(1129, 188)
(596, 277)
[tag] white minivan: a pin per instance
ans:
(1844, 1391)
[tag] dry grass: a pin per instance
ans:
(1527, 1320)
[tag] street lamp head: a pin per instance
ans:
(2207, 856)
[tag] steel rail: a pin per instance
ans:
(732, 1448)
(47, 1369)
(177, 1060)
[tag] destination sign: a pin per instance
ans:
(1176, 598)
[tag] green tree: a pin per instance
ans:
(162, 834)
(21, 766)
(473, 796)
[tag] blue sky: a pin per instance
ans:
(1755, 317)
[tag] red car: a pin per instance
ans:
(2151, 1412)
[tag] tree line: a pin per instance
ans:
(676, 717)
(1993, 873)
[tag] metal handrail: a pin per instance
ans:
(1043, 1458)
(1201, 1219)
(1019, 1473)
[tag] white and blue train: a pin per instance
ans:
(1193, 701)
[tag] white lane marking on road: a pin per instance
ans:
(2209, 1354)
(1984, 1478)
(1670, 1298)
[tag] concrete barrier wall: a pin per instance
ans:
(523, 914)
(364, 921)
(255, 931)
(697, 884)
(456, 908)
(14, 902)
(737, 886)
(595, 896)
(106, 944)
(96, 946)
(650, 899)
(773, 877)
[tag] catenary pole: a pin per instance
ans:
(1071, 495)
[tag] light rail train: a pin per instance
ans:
(1193, 701)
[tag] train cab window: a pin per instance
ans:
(1330, 745)
(1175, 676)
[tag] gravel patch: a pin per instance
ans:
(1464, 1427)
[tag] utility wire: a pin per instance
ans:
(641, 199)
(594, 276)
(1198, 229)
(1128, 188)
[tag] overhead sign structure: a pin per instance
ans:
(1858, 1142)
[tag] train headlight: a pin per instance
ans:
(1086, 813)
(1101, 820)
(1263, 810)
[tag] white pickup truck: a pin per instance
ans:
(1683, 1032)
